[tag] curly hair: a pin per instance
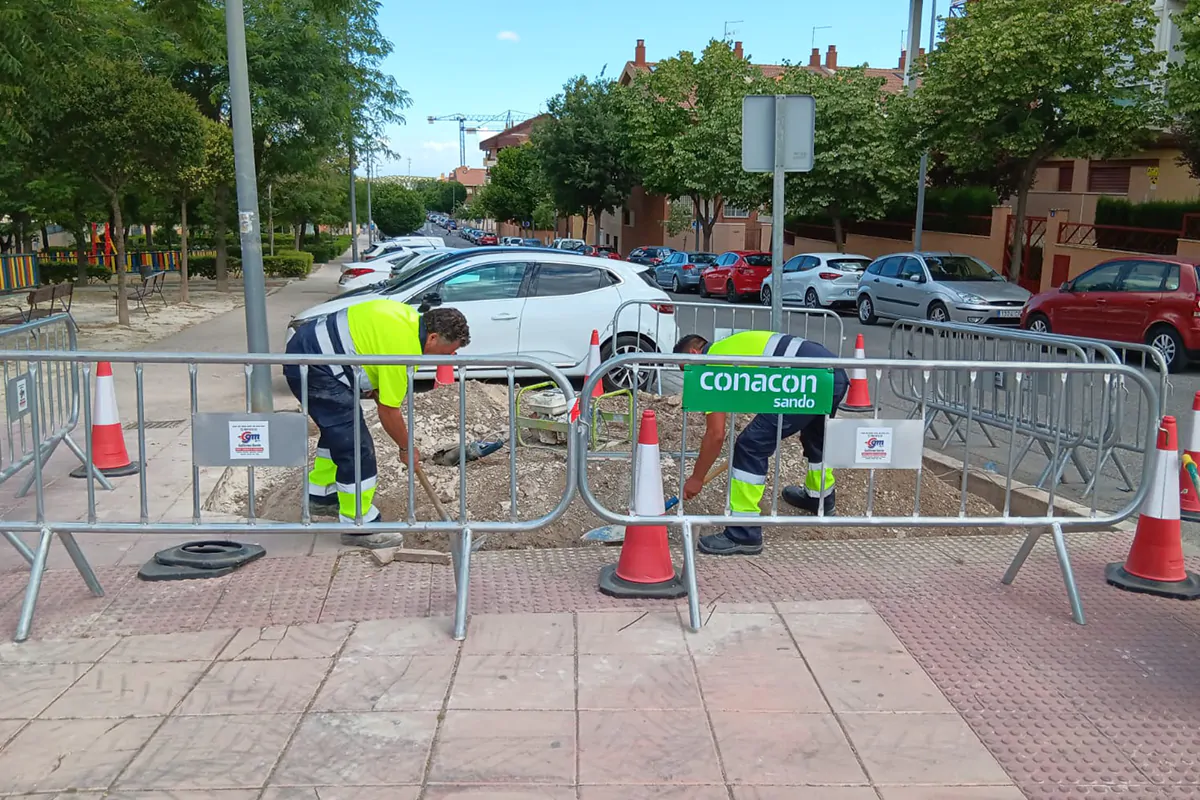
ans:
(688, 342)
(449, 324)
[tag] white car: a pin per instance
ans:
(568, 244)
(398, 242)
(542, 304)
(510, 241)
(819, 280)
(380, 271)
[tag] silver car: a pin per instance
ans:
(943, 287)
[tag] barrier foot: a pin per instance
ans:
(81, 563)
(462, 583)
(83, 460)
(1064, 563)
(20, 546)
(25, 622)
(1019, 559)
(689, 577)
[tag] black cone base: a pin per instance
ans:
(1188, 589)
(207, 559)
(615, 586)
(132, 468)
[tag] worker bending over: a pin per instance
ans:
(756, 443)
(374, 328)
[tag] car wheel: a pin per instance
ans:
(866, 310)
(765, 296)
(703, 289)
(731, 293)
(811, 300)
(675, 287)
(938, 313)
(1038, 323)
(623, 378)
(1167, 341)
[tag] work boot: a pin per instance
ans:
(323, 506)
(373, 541)
(721, 544)
(796, 497)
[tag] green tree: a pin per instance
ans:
(214, 166)
(1018, 81)
(398, 210)
(584, 149)
(515, 186)
(859, 172)
(686, 122)
(1183, 91)
(117, 125)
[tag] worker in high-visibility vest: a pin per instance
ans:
(377, 327)
(756, 443)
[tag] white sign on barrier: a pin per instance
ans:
(249, 440)
(874, 443)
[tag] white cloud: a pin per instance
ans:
(508, 36)
(439, 147)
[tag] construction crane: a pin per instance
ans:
(510, 117)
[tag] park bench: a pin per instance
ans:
(42, 302)
(152, 284)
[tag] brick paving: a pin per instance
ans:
(771, 700)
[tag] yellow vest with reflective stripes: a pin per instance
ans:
(386, 327)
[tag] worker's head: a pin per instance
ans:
(445, 331)
(693, 343)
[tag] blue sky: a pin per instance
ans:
(486, 58)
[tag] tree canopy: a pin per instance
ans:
(515, 186)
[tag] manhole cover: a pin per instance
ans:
(156, 423)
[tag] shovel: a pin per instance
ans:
(615, 534)
(437, 504)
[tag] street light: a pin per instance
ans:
(254, 283)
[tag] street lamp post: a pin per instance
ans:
(353, 209)
(254, 283)
(370, 217)
(919, 228)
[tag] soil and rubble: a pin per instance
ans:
(541, 474)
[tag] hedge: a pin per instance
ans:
(50, 271)
(1161, 214)
(206, 267)
(288, 264)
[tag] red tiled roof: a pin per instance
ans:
(468, 176)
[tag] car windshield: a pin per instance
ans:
(703, 258)
(760, 260)
(850, 264)
(960, 268)
(528, 242)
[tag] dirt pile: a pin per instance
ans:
(541, 476)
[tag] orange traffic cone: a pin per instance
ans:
(109, 456)
(1155, 561)
(444, 375)
(645, 569)
(1189, 503)
(859, 396)
(591, 365)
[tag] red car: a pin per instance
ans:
(599, 252)
(1142, 299)
(737, 274)
(488, 238)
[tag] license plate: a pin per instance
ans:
(1010, 314)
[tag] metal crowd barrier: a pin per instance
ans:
(934, 374)
(287, 434)
(995, 402)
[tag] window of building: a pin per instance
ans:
(626, 217)
(1108, 178)
(733, 212)
(1066, 177)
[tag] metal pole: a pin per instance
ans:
(370, 218)
(271, 214)
(777, 217)
(353, 208)
(257, 338)
(919, 227)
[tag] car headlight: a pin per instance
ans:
(972, 299)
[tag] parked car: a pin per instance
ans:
(818, 280)
(380, 270)
(943, 287)
(736, 275)
(681, 271)
(1145, 300)
(531, 243)
(650, 256)
(488, 238)
(532, 303)
(510, 241)
(567, 244)
(599, 252)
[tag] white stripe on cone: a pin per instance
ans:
(648, 489)
(104, 410)
(1162, 500)
(859, 374)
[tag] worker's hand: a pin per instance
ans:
(371, 395)
(692, 487)
(404, 455)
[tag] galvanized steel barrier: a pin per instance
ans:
(291, 449)
(996, 405)
(1058, 429)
